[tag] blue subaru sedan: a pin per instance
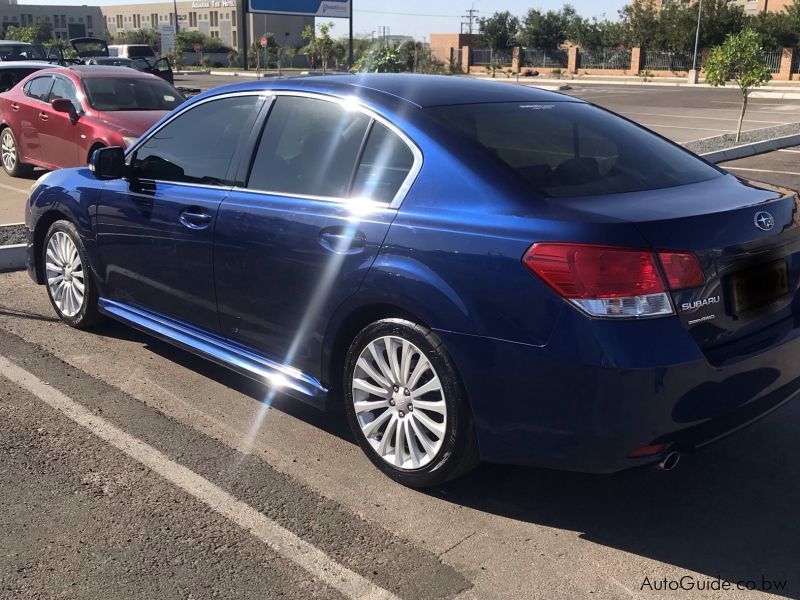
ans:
(474, 270)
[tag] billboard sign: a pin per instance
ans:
(167, 38)
(313, 8)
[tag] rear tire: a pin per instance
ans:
(406, 404)
(68, 278)
(9, 152)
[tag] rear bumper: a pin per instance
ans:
(599, 390)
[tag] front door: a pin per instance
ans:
(60, 134)
(155, 228)
(298, 240)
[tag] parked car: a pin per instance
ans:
(12, 51)
(11, 73)
(59, 116)
(476, 271)
(132, 51)
(95, 51)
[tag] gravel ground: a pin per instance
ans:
(12, 234)
(723, 142)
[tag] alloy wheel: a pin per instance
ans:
(399, 402)
(8, 151)
(65, 274)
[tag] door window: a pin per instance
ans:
(309, 147)
(198, 145)
(39, 88)
(62, 88)
(385, 164)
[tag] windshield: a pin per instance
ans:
(140, 52)
(21, 52)
(90, 47)
(569, 149)
(112, 93)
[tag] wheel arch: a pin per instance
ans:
(96, 145)
(343, 332)
(42, 225)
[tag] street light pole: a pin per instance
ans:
(352, 57)
(694, 76)
(175, 8)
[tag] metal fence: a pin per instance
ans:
(547, 59)
(773, 59)
(659, 60)
(796, 61)
(606, 58)
(484, 57)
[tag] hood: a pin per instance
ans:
(130, 122)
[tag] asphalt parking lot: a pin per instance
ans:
(85, 517)
(131, 469)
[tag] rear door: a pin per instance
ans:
(155, 228)
(297, 239)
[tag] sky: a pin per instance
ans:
(420, 17)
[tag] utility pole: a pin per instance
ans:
(694, 76)
(245, 19)
(352, 56)
(469, 19)
(175, 9)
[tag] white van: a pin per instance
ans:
(132, 51)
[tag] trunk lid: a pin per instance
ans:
(746, 236)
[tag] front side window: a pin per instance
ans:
(39, 88)
(113, 93)
(309, 147)
(198, 145)
(63, 88)
(570, 149)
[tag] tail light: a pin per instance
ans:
(608, 281)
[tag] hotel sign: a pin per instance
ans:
(312, 8)
(214, 4)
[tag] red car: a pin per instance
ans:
(58, 117)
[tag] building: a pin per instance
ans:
(67, 21)
(221, 19)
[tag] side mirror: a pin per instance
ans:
(108, 163)
(63, 105)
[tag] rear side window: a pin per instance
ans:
(182, 150)
(11, 77)
(385, 164)
(308, 147)
(39, 88)
(568, 149)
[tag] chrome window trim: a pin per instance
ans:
(351, 102)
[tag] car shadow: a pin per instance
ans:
(729, 511)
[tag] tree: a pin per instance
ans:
(499, 31)
(383, 59)
(40, 31)
(319, 43)
(740, 58)
(776, 30)
(548, 30)
(139, 36)
(593, 34)
(641, 22)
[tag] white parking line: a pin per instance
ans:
(13, 189)
(652, 125)
(281, 540)
(761, 171)
(790, 151)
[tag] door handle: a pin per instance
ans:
(14, 106)
(43, 116)
(342, 240)
(195, 218)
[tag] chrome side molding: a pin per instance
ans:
(246, 362)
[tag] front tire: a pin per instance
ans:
(406, 405)
(9, 152)
(68, 279)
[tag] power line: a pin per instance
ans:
(403, 14)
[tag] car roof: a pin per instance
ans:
(14, 43)
(25, 64)
(100, 71)
(421, 90)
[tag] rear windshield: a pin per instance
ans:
(140, 52)
(568, 149)
(111, 93)
(11, 77)
(21, 52)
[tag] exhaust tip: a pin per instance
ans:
(669, 462)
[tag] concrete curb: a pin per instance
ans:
(206, 72)
(13, 258)
(746, 150)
